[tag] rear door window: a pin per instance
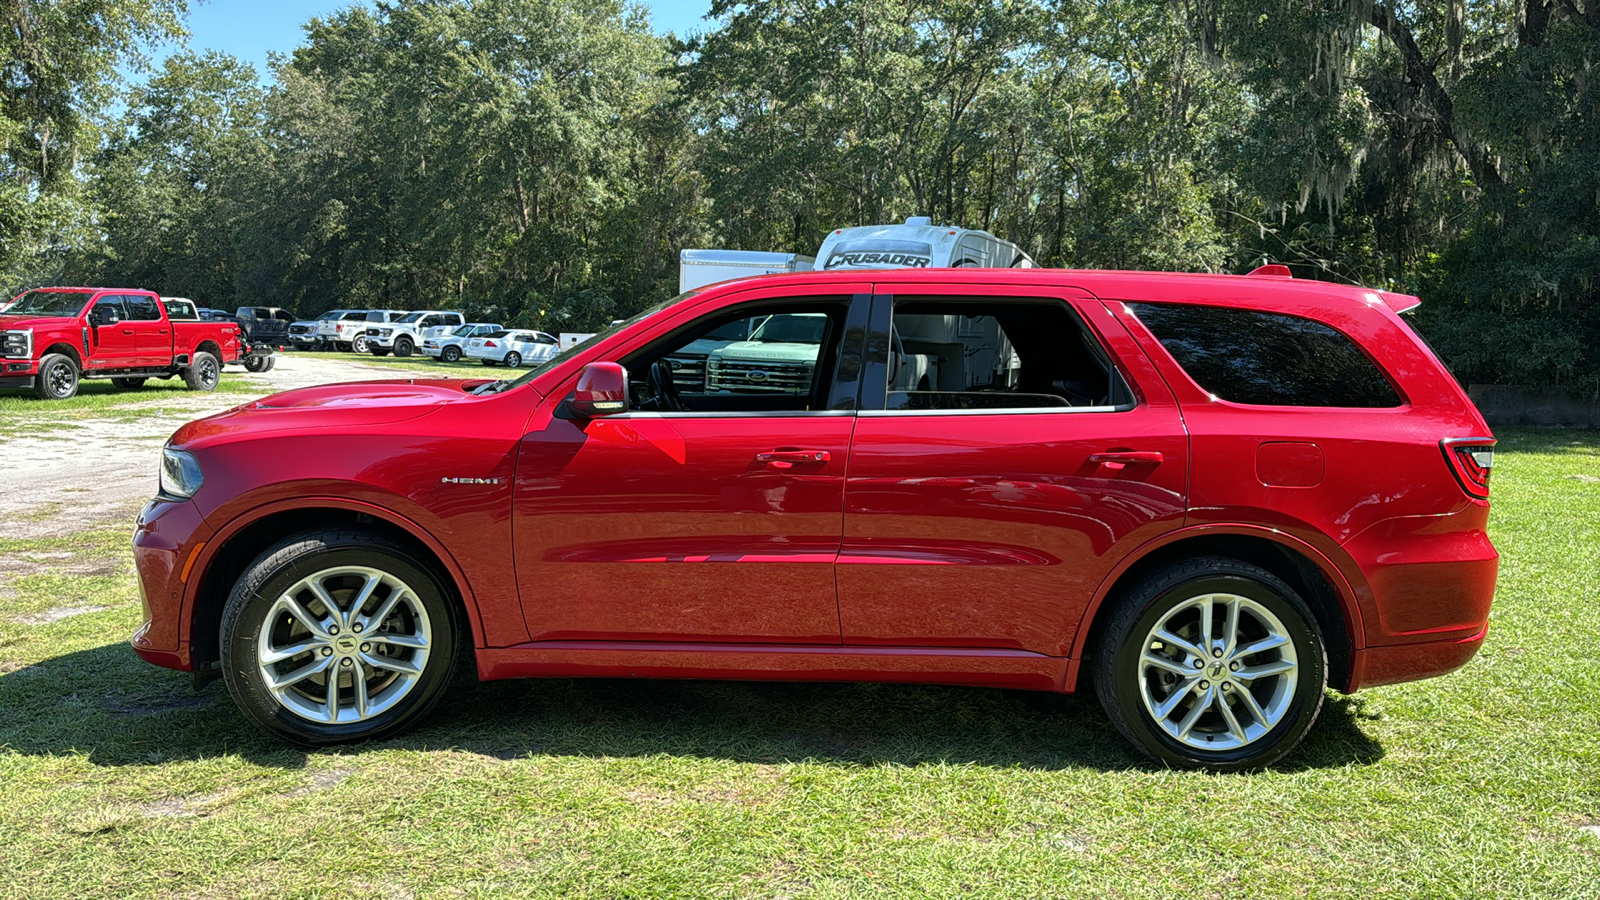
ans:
(141, 307)
(1267, 359)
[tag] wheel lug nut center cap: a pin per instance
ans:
(345, 643)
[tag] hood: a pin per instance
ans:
(769, 351)
(360, 404)
(10, 323)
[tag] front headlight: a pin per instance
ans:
(180, 473)
(17, 344)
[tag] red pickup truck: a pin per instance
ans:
(52, 338)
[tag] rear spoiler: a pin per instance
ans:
(1400, 303)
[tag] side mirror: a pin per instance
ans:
(602, 390)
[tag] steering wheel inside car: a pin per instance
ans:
(661, 386)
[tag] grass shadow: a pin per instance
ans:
(119, 711)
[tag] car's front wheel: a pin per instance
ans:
(58, 377)
(333, 636)
(450, 354)
(1212, 662)
(402, 348)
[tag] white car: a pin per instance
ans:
(449, 345)
(345, 329)
(513, 348)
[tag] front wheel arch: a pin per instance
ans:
(232, 549)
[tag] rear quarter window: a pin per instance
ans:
(1267, 359)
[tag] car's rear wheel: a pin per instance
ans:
(402, 348)
(333, 636)
(1212, 662)
(513, 359)
(450, 354)
(203, 373)
(128, 384)
(359, 345)
(256, 363)
(57, 379)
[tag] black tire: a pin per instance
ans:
(128, 384)
(1123, 680)
(451, 353)
(513, 359)
(304, 556)
(204, 372)
(403, 348)
(57, 379)
(347, 346)
(272, 362)
(377, 351)
(256, 363)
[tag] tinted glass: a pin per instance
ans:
(1267, 359)
(141, 307)
(108, 309)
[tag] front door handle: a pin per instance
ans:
(127, 331)
(1117, 460)
(788, 459)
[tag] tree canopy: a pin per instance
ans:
(541, 162)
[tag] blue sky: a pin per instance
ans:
(250, 29)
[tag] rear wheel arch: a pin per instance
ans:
(1315, 581)
(237, 545)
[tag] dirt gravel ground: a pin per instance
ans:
(104, 470)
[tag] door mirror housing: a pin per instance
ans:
(602, 390)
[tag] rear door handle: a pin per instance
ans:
(786, 459)
(1121, 459)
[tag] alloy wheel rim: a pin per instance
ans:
(1218, 672)
(344, 645)
(208, 372)
(60, 378)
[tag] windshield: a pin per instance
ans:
(604, 333)
(795, 328)
(464, 330)
(332, 314)
(410, 318)
(48, 303)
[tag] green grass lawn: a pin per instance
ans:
(470, 367)
(98, 398)
(119, 781)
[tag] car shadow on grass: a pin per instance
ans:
(107, 704)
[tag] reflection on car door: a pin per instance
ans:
(993, 528)
(681, 526)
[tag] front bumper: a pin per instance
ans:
(12, 382)
(167, 539)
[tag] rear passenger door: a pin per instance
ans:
(985, 505)
(152, 333)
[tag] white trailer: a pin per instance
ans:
(698, 268)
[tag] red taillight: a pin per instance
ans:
(488, 343)
(1472, 459)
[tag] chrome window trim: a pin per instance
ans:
(1011, 411)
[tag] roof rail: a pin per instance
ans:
(1275, 270)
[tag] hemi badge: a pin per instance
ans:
(469, 481)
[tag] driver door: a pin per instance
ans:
(701, 514)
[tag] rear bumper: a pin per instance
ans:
(1393, 664)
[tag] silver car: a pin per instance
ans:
(513, 348)
(450, 344)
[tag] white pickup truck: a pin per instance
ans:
(404, 335)
(931, 353)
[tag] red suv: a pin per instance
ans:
(1209, 496)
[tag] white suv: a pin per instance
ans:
(404, 336)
